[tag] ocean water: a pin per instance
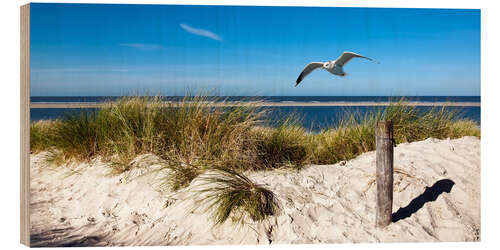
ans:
(50, 99)
(312, 117)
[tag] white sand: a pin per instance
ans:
(83, 205)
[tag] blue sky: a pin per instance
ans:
(100, 50)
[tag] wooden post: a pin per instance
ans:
(384, 172)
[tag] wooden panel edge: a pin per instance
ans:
(25, 121)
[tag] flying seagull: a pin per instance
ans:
(335, 67)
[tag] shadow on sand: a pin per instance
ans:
(430, 194)
(62, 237)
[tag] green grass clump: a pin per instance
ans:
(188, 136)
(464, 128)
(413, 125)
(345, 142)
(72, 138)
(286, 145)
(196, 136)
(42, 136)
(230, 194)
(77, 136)
(129, 127)
(356, 135)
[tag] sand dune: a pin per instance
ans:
(82, 205)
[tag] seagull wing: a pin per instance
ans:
(308, 69)
(347, 56)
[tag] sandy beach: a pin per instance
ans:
(436, 198)
(268, 104)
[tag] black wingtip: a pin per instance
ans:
(299, 79)
(373, 60)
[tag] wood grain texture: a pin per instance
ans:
(25, 128)
(384, 172)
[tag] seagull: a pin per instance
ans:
(335, 67)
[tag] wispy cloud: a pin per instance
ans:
(200, 32)
(142, 46)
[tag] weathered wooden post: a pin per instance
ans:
(384, 173)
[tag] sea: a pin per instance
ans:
(312, 117)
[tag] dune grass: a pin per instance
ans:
(230, 194)
(192, 137)
(42, 135)
(286, 145)
(355, 134)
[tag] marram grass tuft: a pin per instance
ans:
(229, 194)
